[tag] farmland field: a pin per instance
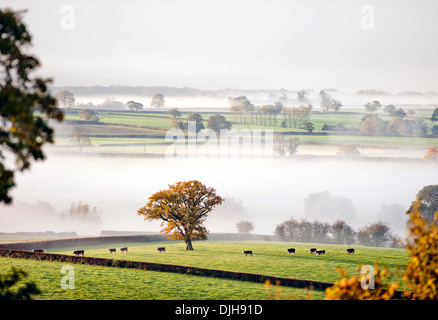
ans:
(143, 133)
(270, 258)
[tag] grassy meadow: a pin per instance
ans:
(270, 258)
(144, 133)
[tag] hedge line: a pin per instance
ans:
(161, 267)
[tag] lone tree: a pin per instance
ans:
(158, 100)
(244, 227)
(25, 103)
(65, 99)
(183, 209)
(132, 105)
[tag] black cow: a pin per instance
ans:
(247, 252)
(319, 252)
(312, 250)
(78, 252)
(38, 250)
(112, 250)
(290, 250)
(124, 249)
(161, 249)
(350, 251)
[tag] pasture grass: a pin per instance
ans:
(270, 258)
(161, 121)
(105, 283)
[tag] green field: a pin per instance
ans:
(144, 133)
(270, 258)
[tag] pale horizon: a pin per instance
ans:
(244, 45)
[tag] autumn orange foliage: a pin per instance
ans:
(431, 154)
(351, 288)
(182, 209)
(420, 276)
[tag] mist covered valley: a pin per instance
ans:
(263, 191)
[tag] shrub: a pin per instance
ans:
(351, 289)
(421, 274)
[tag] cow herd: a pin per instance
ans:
(314, 251)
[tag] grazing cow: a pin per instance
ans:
(79, 252)
(247, 252)
(124, 249)
(38, 250)
(350, 251)
(290, 250)
(312, 250)
(319, 252)
(112, 250)
(161, 249)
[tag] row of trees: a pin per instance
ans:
(268, 115)
(215, 122)
(374, 125)
(339, 232)
(66, 99)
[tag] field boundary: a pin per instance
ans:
(161, 267)
(72, 242)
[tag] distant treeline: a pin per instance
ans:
(150, 91)
(339, 232)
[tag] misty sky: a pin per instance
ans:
(237, 44)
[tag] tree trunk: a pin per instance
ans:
(189, 245)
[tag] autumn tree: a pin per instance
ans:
(26, 105)
(421, 275)
(182, 208)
